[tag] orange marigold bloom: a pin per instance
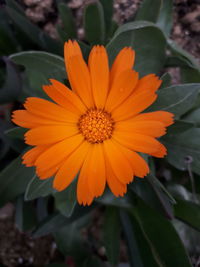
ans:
(97, 128)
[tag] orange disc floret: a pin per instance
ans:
(95, 128)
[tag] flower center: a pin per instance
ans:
(96, 125)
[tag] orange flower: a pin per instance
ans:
(97, 128)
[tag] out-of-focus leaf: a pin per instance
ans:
(13, 180)
(112, 234)
(57, 221)
(153, 196)
(14, 5)
(40, 67)
(12, 85)
(149, 10)
(164, 196)
(65, 201)
(188, 212)
(25, 216)
(70, 242)
(190, 75)
(92, 261)
(183, 146)
(16, 132)
(179, 126)
(85, 50)
(148, 42)
(94, 28)
(189, 236)
(193, 117)
(140, 252)
(38, 188)
(180, 192)
(183, 55)
(34, 33)
(166, 80)
(161, 235)
(8, 42)
(165, 18)
(56, 265)
(177, 99)
(69, 27)
(108, 13)
(109, 199)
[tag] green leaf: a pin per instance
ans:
(38, 188)
(112, 234)
(188, 212)
(183, 55)
(12, 85)
(70, 242)
(182, 146)
(56, 221)
(148, 42)
(108, 13)
(68, 23)
(153, 195)
(165, 18)
(13, 180)
(94, 28)
(179, 126)
(166, 80)
(161, 235)
(34, 33)
(14, 5)
(140, 252)
(65, 201)
(25, 216)
(177, 99)
(109, 199)
(190, 75)
(193, 117)
(16, 132)
(40, 67)
(149, 10)
(163, 195)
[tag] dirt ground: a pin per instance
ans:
(16, 248)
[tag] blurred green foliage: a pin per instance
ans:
(147, 217)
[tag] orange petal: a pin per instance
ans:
(152, 128)
(58, 152)
(78, 72)
(161, 152)
(71, 167)
(96, 175)
(149, 82)
(116, 187)
(49, 110)
(63, 96)
(45, 174)
(133, 105)
(123, 61)
(118, 162)
(138, 164)
(137, 142)
(99, 72)
(49, 134)
(31, 155)
(162, 116)
(84, 195)
(21, 118)
(27, 120)
(121, 88)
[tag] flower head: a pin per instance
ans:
(95, 128)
